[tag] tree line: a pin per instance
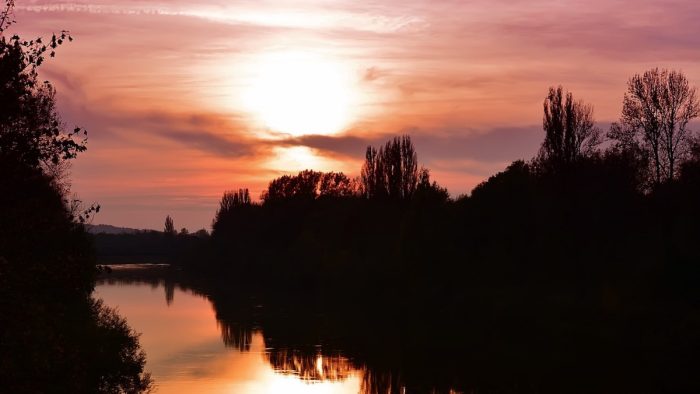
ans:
(646, 162)
(147, 246)
(653, 134)
(579, 244)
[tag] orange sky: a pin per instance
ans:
(184, 100)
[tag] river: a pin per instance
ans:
(186, 353)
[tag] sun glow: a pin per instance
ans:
(301, 93)
(298, 158)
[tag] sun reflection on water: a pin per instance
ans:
(186, 353)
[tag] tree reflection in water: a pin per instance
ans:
(391, 352)
(297, 353)
(310, 366)
(236, 336)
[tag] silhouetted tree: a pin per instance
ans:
(235, 217)
(169, 228)
(408, 165)
(303, 186)
(690, 176)
(336, 184)
(7, 15)
(392, 171)
(372, 178)
(201, 233)
(657, 108)
(309, 185)
(118, 359)
(53, 336)
(30, 139)
(232, 200)
(430, 192)
(31, 130)
(570, 131)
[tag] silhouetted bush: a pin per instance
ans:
(53, 335)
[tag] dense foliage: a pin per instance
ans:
(31, 130)
(53, 337)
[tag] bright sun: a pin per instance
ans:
(301, 93)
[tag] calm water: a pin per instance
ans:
(186, 353)
(209, 336)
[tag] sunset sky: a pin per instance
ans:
(184, 100)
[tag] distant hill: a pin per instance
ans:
(109, 229)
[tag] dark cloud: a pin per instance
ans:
(495, 145)
(205, 133)
(210, 143)
(209, 133)
(347, 145)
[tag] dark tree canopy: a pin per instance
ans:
(431, 192)
(570, 132)
(657, 109)
(230, 201)
(309, 185)
(392, 171)
(233, 199)
(31, 130)
(169, 228)
(303, 186)
(336, 185)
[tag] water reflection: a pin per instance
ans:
(236, 336)
(311, 368)
(219, 336)
(182, 337)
